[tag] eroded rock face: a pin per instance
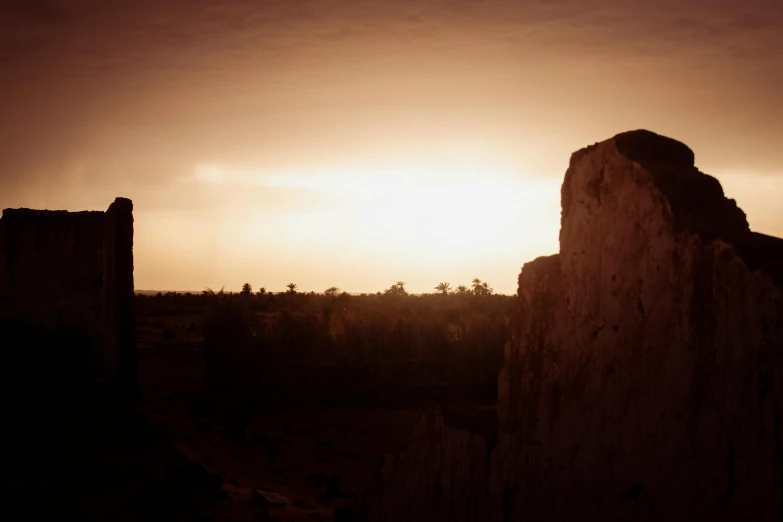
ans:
(643, 376)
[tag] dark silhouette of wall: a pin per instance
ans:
(66, 296)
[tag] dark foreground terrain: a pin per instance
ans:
(178, 452)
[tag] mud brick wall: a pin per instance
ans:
(69, 276)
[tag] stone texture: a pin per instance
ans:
(642, 380)
(52, 265)
(66, 283)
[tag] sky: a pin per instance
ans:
(359, 143)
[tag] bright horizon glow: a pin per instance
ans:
(432, 224)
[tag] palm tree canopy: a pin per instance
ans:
(443, 287)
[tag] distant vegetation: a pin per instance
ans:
(300, 347)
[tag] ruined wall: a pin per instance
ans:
(119, 319)
(53, 265)
(66, 291)
(644, 375)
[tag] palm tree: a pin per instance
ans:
(444, 288)
(291, 288)
(396, 289)
(462, 290)
(481, 288)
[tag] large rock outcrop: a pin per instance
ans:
(643, 377)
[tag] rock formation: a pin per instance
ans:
(642, 379)
(66, 293)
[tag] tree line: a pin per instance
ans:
(478, 287)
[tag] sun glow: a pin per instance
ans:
(425, 219)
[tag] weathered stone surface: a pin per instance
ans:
(66, 285)
(644, 373)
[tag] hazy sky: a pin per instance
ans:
(358, 143)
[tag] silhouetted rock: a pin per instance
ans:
(643, 376)
(66, 294)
